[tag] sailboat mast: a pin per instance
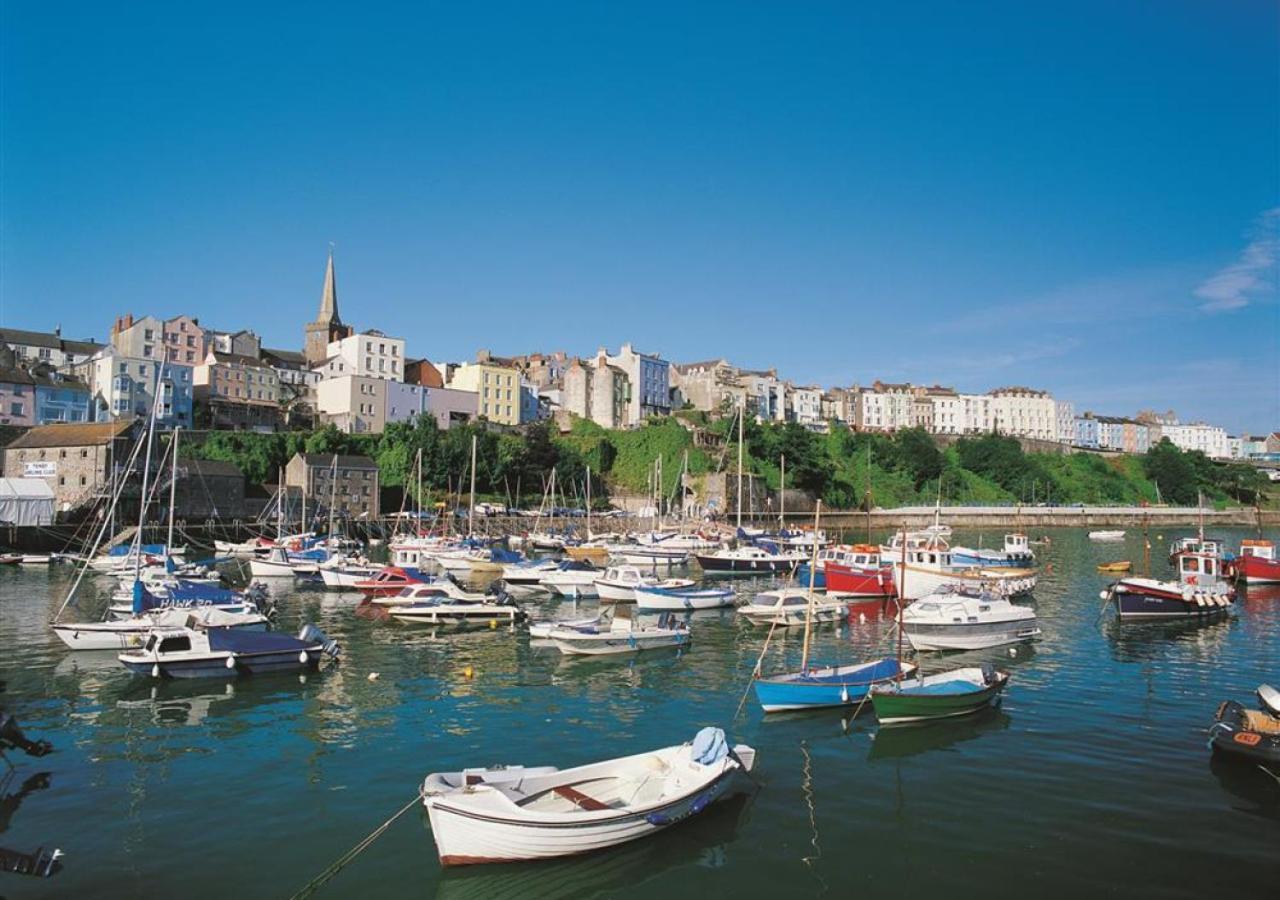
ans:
(902, 592)
(588, 503)
(280, 504)
(782, 494)
(417, 524)
(173, 487)
(813, 570)
(866, 500)
(146, 475)
(333, 495)
(742, 409)
(471, 514)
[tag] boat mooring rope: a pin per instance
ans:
(337, 866)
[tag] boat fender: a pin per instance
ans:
(231, 661)
(844, 694)
(302, 657)
(155, 670)
(1104, 595)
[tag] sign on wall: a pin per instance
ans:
(45, 468)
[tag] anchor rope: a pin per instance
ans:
(341, 862)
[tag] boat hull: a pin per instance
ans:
(721, 566)
(896, 708)
(608, 643)
(1152, 604)
(1255, 570)
(443, 615)
(465, 838)
(978, 636)
(869, 584)
(840, 686)
(215, 666)
(660, 601)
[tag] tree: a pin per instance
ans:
(919, 456)
(1174, 472)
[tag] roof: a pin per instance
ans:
(702, 364)
(239, 359)
(210, 468)
(325, 460)
(30, 488)
(47, 339)
(71, 435)
(289, 357)
(15, 376)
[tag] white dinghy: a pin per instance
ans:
(517, 813)
(622, 636)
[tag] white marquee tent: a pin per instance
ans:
(26, 501)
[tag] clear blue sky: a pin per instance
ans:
(1074, 196)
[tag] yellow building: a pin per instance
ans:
(497, 389)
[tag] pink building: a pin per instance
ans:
(185, 341)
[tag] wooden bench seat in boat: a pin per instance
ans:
(579, 799)
(1259, 721)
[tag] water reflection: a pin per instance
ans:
(1258, 789)
(911, 740)
(1147, 641)
(706, 841)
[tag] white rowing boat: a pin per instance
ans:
(518, 813)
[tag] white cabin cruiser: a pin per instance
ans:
(967, 619)
(791, 606)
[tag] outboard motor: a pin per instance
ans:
(988, 673)
(313, 635)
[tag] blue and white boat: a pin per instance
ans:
(688, 599)
(828, 686)
(196, 652)
(1017, 554)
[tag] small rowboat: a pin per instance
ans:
(516, 813)
(660, 599)
(1119, 565)
(1117, 535)
(959, 692)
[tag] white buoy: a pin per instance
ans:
(155, 671)
(231, 661)
(373, 676)
(1013, 651)
(302, 657)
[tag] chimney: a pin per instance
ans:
(483, 356)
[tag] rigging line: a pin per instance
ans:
(806, 787)
(341, 862)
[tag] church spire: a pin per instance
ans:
(329, 297)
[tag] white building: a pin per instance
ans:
(1208, 439)
(975, 414)
(355, 404)
(1066, 419)
(369, 354)
(138, 338)
(806, 406)
(1023, 412)
(885, 407)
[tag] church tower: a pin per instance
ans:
(328, 324)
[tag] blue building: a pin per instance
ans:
(650, 377)
(1088, 433)
(61, 398)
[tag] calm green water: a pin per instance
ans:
(1093, 778)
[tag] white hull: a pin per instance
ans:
(262, 568)
(641, 795)
(444, 614)
(973, 639)
(785, 618)
(615, 593)
(608, 643)
(655, 602)
(346, 578)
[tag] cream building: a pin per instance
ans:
(497, 389)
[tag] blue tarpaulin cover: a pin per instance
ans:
(709, 746)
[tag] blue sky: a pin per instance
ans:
(1079, 197)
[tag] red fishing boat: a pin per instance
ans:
(390, 581)
(1257, 563)
(865, 576)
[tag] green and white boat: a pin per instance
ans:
(958, 692)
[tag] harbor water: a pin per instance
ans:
(1093, 778)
